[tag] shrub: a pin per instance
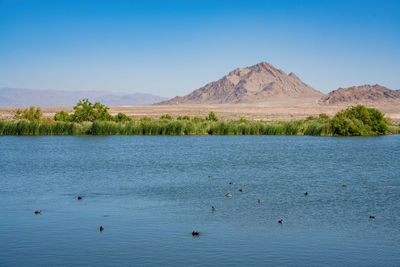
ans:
(323, 116)
(359, 121)
(186, 118)
(166, 117)
(121, 117)
(30, 114)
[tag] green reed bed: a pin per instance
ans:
(163, 127)
(94, 119)
(394, 129)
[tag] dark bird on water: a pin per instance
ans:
(101, 228)
(213, 208)
(195, 233)
(259, 201)
(343, 185)
(306, 193)
(38, 211)
(209, 176)
(240, 190)
(372, 217)
(230, 183)
(79, 198)
(280, 221)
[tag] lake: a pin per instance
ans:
(150, 192)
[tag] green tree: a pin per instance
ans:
(63, 116)
(359, 120)
(86, 111)
(212, 117)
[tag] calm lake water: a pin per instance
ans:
(150, 192)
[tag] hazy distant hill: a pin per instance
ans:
(365, 94)
(256, 84)
(14, 97)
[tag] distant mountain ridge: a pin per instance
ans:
(255, 84)
(364, 94)
(16, 97)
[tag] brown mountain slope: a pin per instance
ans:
(365, 94)
(255, 84)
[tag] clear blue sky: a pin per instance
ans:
(170, 48)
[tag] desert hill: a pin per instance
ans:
(365, 94)
(256, 84)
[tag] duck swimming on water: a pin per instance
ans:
(306, 193)
(38, 211)
(280, 221)
(195, 233)
(213, 208)
(101, 228)
(79, 198)
(228, 195)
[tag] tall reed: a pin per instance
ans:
(314, 127)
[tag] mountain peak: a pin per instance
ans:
(255, 84)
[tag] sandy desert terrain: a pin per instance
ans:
(226, 112)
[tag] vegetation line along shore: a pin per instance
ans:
(94, 119)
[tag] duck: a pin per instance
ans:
(209, 176)
(240, 190)
(101, 228)
(259, 201)
(79, 198)
(230, 183)
(306, 193)
(213, 208)
(38, 211)
(344, 185)
(228, 195)
(195, 233)
(372, 217)
(280, 221)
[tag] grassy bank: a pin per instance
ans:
(313, 127)
(165, 127)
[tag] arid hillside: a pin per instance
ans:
(261, 83)
(365, 94)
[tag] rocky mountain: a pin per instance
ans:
(256, 84)
(14, 97)
(365, 94)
